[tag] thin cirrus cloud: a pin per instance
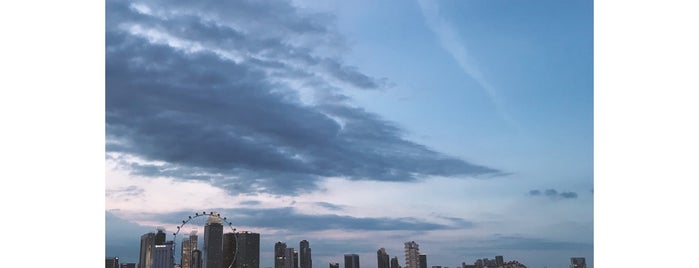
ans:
(198, 91)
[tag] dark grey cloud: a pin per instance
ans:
(201, 88)
(554, 194)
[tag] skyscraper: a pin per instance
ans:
(382, 258)
(296, 259)
(248, 250)
(188, 245)
(499, 261)
(160, 236)
(412, 255)
(305, 258)
(423, 261)
(213, 242)
(112, 262)
(577, 263)
(162, 255)
(279, 252)
(394, 262)
(145, 258)
(196, 262)
(289, 258)
(229, 250)
(351, 261)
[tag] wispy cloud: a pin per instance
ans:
(553, 194)
(450, 41)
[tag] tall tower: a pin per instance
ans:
(213, 242)
(382, 258)
(394, 262)
(196, 259)
(423, 261)
(188, 245)
(248, 252)
(289, 258)
(351, 261)
(279, 252)
(146, 254)
(577, 263)
(305, 258)
(160, 236)
(499, 261)
(162, 255)
(412, 255)
(229, 250)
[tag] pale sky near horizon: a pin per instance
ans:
(466, 126)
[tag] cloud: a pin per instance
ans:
(554, 194)
(330, 206)
(208, 95)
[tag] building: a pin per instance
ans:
(351, 261)
(196, 261)
(213, 242)
(394, 262)
(247, 250)
(279, 252)
(423, 261)
(382, 259)
(577, 263)
(499, 261)
(305, 255)
(112, 262)
(289, 260)
(412, 255)
(334, 265)
(160, 236)
(188, 245)
(145, 258)
(163, 255)
(128, 265)
(296, 259)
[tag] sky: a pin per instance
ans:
(465, 126)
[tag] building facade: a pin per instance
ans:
(423, 261)
(247, 250)
(163, 255)
(395, 263)
(188, 245)
(305, 255)
(412, 255)
(382, 259)
(351, 261)
(213, 242)
(145, 258)
(279, 253)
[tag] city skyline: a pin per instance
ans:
(466, 126)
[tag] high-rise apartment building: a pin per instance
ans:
(279, 252)
(305, 255)
(382, 258)
(423, 261)
(162, 255)
(188, 245)
(395, 263)
(412, 255)
(577, 263)
(213, 242)
(351, 261)
(248, 250)
(145, 258)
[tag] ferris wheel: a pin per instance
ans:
(194, 226)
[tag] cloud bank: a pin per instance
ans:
(249, 96)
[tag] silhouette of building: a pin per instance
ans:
(423, 261)
(351, 261)
(213, 242)
(499, 261)
(229, 250)
(305, 255)
(412, 255)
(112, 262)
(296, 259)
(334, 265)
(395, 263)
(145, 258)
(248, 250)
(577, 263)
(382, 259)
(279, 253)
(197, 260)
(128, 265)
(188, 245)
(162, 255)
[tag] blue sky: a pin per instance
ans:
(466, 126)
